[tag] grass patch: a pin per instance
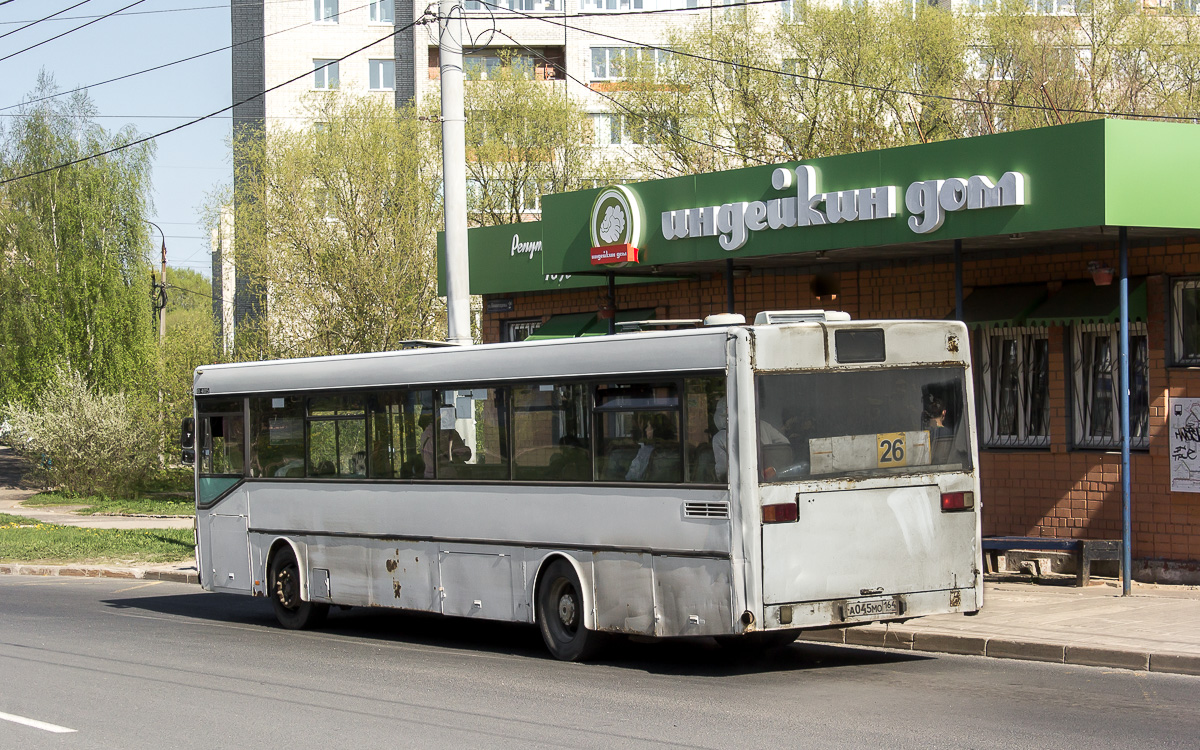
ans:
(25, 540)
(148, 506)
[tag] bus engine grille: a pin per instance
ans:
(706, 510)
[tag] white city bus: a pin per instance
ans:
(746, 482)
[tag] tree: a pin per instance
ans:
(191, 342)
(864, 76)
(526, 138)
(74, 279)
(336, 224)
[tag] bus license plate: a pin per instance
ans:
(870, 608)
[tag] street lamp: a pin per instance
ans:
(160, 288)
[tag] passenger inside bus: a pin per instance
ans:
(657, 456)
(451, 448)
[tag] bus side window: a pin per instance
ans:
(706, 431)
(337, 436)
(397, 421)
(277, 437)
(638, 433)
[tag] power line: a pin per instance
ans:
(422, 19)
(553, 20)
(176, 62)
(70, 31)
(151, 12)
(44, 18)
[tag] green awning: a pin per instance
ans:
(1007, 305)
(563, 326)
(599, 327)
(1084, 302)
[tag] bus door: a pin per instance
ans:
(853, 467)
(221, 515)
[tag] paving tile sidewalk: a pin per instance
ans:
(1155, 629)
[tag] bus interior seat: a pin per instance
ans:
(666, 465)
(617, 462)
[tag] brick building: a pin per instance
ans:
(1024, 228)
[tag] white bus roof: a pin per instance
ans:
(688, 350)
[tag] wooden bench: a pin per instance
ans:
(1085, 550)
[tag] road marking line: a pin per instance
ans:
(139, 586)
(36, 724)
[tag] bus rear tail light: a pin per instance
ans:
(958, 501)
(781, 513)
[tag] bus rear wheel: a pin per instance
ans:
(560, 614)
(290, 609)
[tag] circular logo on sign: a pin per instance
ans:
(616, 218)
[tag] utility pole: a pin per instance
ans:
(454, 172)
(161, 302)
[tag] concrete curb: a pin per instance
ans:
(913, 639)
(97, 571)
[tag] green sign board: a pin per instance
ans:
(1096, 173)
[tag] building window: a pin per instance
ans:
(382, 75)
(615, 63)
(519, 330)
(382, 11)
(1016, 388)
(1096, 405)
(325, 74)
(1185, 317)
(480, 65)
(612, 5)
(792, 10)
(325, 11)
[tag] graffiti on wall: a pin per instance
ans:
(1185, 444)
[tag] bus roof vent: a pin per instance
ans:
(775, 317)
(725, 319)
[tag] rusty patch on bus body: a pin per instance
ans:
(391, 565)
(396, 588)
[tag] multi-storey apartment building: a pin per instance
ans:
(579, 45)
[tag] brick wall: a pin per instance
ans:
(1059, 491)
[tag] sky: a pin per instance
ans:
(189, 163)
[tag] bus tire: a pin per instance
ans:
(755, 643)
(560, 614)
(292, 612)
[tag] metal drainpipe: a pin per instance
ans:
(729, 285)
(958, 285)
(1126, 479)
(612, 303)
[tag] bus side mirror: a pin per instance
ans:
(187, 433)
(189, 456)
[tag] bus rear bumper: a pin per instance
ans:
(867, 609)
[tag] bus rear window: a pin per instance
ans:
(862, 423)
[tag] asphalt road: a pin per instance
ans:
(136, 664)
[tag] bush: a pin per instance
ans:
(82, 441)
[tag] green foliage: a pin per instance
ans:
(191, 341)
(74, 280)
(84, 441)
(25, 540)
(337, 226)
(863, 76)
(93, 505)
(526, 138)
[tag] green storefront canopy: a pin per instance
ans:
(584, 324)
(1008, 305)
(1084, 302)
(563, 326)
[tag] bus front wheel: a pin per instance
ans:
(560, 614)
(292, 611)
